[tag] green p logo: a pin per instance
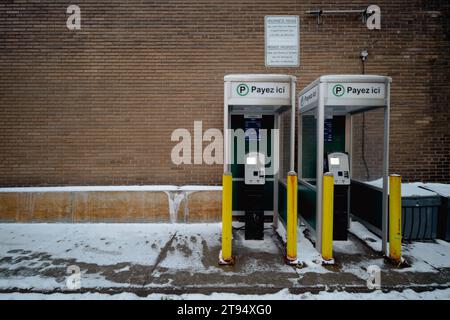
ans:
(242, 89)
(338, 90)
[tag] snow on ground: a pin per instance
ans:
(284, 294)
(108, 243)
(423, 256)
(308, 255)
(306, 252)
(154, 257)
(347, 247)
(37, 255)
(101, 245)
(365, 235)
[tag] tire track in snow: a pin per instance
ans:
(161, 256)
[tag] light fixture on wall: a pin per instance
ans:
(364, 55)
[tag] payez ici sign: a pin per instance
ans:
(357, 90)
(260, 89)
(345, 92)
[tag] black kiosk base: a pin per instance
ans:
(340, 216)
(254, 212)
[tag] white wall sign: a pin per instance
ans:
(282, 41)
(260, 90)
(357, 90)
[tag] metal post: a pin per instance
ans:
(350, 153)
(292, 146)
(227, 198)
(291, 219)
(395, 217)
(226, 138)
(319, 163)
(327, 222)
(276, 165)
(348, 149)
(385, 203)
(299, 147)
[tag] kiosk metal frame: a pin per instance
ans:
(330, 95)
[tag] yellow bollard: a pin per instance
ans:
(227, 185)
(327, 216)
(291, 223)
(395, 217)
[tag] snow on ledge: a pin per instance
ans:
(439, 188)
(160, 188)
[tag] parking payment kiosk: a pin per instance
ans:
(253, 108)
(338, 164)
(255, 169)
(254, 195)
(327, 108)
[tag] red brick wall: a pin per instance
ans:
(98, 105)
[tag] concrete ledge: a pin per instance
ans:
(204, 206)
(111, 204)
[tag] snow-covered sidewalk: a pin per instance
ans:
(283, 294)
(179, 261)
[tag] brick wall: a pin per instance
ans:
(98, 105)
